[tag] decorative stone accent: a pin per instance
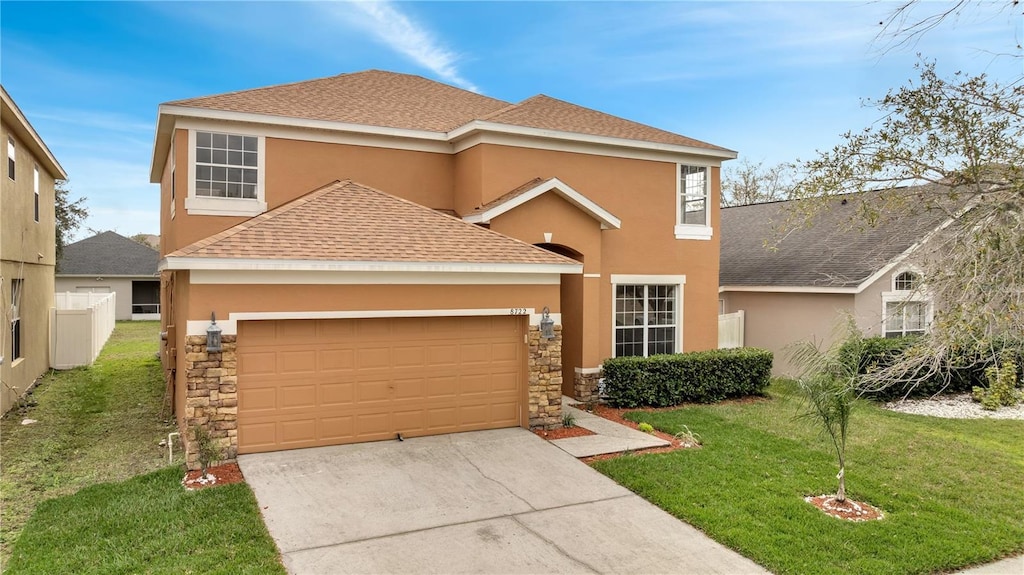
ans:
(586, 385)
(545, 374)
(211, 397)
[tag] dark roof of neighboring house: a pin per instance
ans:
(108, 254)
(837, 250)
(346, 221)
(404, 101)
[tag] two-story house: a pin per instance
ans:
(27, 252)
(385, 254)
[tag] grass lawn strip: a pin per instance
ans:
(148, 524)
(950, 489)
(95, 424)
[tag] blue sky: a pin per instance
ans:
(774, 80)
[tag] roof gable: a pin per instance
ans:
(108, 254)
(547, 113)
(372, 98)
(534, 188)
(829, 254)
(348, 222)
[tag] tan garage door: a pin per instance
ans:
(304, 383)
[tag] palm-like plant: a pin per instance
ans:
(828, 381)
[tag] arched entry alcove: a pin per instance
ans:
(571, 305)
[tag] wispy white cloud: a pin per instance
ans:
(403, 34)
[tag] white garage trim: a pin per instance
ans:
(229, 326)
(369, 278)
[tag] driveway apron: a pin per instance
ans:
(501, 501)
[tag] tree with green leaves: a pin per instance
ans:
(754, 183)
(829, 381)
(964, 136)
(69, 215)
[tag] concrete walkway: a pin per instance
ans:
(501, 501)
(1008, 566)
(609, 437)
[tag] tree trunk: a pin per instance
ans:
(841, 494)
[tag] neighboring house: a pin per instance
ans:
(109, 262)
(798, 286)
(27, 252)
(380, 249)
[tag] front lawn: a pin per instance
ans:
(148, 524)
(951, 489)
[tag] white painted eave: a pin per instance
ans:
(225, 264)
(477, 126)
(791, 289)
(606, 218)
(28, 136)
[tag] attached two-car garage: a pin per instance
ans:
(315, 382)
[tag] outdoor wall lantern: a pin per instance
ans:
(213, 335)
(547, 325)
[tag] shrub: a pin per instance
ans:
(1001, 391)
(965, 369)
(646, 427)
(695, 377)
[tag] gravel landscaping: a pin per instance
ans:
(954, 407)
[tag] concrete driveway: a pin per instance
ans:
(501, 501)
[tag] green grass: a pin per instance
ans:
(103, 424)
(951, 489)
(148, 524)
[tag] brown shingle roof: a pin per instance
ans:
(373, 98)
(547, 113)
(349, 222)
(508, 196)
(389, 99)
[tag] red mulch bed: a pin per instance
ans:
(562, 432)
(615, 415)
(220, 475)
(850, 510)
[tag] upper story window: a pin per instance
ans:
(693, 205)
(225, 174)
(10, 158)
(226, 165)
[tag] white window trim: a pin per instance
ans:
(648, 279)
(908, 296)
(202, 206)
(693, 231)
(35, 189)
(12, 155)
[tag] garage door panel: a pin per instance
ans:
(298, 396)
(322, 382)
(294, 362)
(371, 358)
(337, 360)
(336, 394)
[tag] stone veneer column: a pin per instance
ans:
(212, 397)
(585, 384)
(545, 379)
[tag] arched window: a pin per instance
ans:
(907, 281)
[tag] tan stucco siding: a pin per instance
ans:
(22, 238)
(294, 168)
(642, 194)
(227, 299)
(36, 302)
(27, 252)
(868, 308)
(773, 321)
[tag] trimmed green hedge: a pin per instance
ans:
(695, 377)
(880, 352)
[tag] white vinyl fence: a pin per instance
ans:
(81, 323)
(730, 330)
